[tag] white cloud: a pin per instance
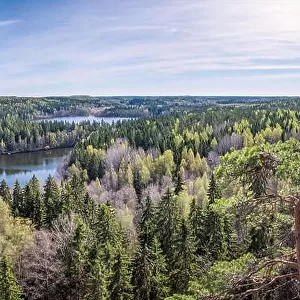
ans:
(8, 22)
(157, 39)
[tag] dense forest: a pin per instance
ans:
(200, 201)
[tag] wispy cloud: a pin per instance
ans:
(8, 22)
(194, 45)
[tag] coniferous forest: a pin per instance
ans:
(198, 200)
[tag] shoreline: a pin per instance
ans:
(36, 150)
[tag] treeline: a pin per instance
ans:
(28, 108)
(17, 135)
(209, 134)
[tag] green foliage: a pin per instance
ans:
(220, 274)
(9, 289)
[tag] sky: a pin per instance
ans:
(149, 47)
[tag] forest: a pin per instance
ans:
(199, 200)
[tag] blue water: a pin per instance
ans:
(22, 166)
(91, 118)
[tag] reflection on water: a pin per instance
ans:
(23, 166)
(91, 118)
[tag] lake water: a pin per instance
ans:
(23, 166)
(91, 118)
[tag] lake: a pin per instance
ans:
(78, 119)
(23, 166)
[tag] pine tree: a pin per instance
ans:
(147, 224)
(52, 199)
(76, 260)
(88, 209)
(18, 208)
(5, 193)
(179, 183)
(107, 234)
(167, 223)
(39, 215)
(96, 285)
(137, 184)
(197, 222)
(159, 279)
(9, 289)
(120, 287)
(184, 260)
(216, 238)
(213, 190)
(142, 274)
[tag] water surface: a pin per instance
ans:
(79, 119)
(23, 166)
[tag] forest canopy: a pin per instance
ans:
(191, 204)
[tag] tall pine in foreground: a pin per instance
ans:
(120, 287)
(167, 223)
(184, 265)
(96, 277)
(9, 289)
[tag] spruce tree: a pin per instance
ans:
(147, 224)
(96, 278)
(88, 209)
(184, 265)
(159, 279)
(9, 289)
(167, 221)
(76, 254)
(179, 183)
(52, 199)
(213, 190)
(120, 287)
(142, 274)
(5, 193)
(39, 216)
(18, 201)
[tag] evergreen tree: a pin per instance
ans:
(167, 223)
(147, 224)
(39, 216)
(120, 287)
(216, 238)
(108, 234)
(52, 199)
(9, 289)
(142, 274)
(184, 266)
(179, 183)
(137, 184)
(213, 190)
(96, 286)
(88, 209)
(75, 261)
(5, 193)
(197, 220)
(18, 207)
(159, 279)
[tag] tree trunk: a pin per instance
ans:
(297, 234)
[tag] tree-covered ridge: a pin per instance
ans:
(188, 206)
(209, 134)
(131, 106)
(17, 135)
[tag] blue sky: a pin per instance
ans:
(149, 47)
